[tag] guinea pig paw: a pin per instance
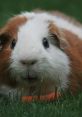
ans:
(14, 95)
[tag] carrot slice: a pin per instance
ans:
(48, 97)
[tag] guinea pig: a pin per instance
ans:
(44, 53)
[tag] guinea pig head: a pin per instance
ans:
(38, 54)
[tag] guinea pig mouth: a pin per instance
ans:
(31, 78)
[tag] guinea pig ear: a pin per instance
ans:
(58, 37)
(4, 39)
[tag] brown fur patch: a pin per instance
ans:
(74, 52)
(12, 26)
(60, 35)
(9, 32)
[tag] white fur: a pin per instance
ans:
(58, 20)
(52, 63)
(62, 23)
(29, 15)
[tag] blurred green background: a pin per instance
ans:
(9, 8)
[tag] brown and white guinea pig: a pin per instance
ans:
(42, 52)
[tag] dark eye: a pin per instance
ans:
(4, 40)
(13, 44)
(45, 43)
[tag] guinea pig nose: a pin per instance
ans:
(28, 62)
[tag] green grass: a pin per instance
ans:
(68, 106)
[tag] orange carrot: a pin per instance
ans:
(48, 97)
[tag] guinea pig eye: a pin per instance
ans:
(13, 43)
(4, 40)
(45, 43)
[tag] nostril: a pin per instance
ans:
(33, 62)
(23, 62)
(28, 62)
